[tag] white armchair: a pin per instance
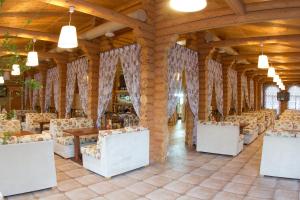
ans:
(117, 151)
(219, 138)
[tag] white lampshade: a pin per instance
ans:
(1, 80)
(263, 62)
(32, 59)
(283, 87)
(271, 72)
(188, 5)
(275, 78)
(68, 37)
(16, 70)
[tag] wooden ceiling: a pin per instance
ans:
(240, 24)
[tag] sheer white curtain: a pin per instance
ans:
(270, 98)
(251, 93)
(294, 102)
(36, 92)
(232, 95)
(52, 82)
(245, 94)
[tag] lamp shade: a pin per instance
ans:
(271, 72)
(188, 5)
(16, 70)
(68, 37)
(32, 59)
(1, 80)
(263, 62)
(276, 78)
(283, 87)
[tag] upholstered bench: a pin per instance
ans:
(64, 142)
(31, 125)
(219, 138)
(27, 164)
(280, 154)
(117, 151)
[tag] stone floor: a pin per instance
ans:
(187, 175)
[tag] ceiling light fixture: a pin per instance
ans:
(15, 70)
(1, 80)
(276, 78)
(263, 61)
(68, 34)
(271, 72)
(188, 5)
(32, 57)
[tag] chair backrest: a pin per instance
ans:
(57, 126)
(10, 126)
(82, 122)
(283, 125)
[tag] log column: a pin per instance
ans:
(240, 72)
(61, 63)
(43, 72)
(92, 52)
(226, 105)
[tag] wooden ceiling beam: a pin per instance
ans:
(232, 20)
(99, 11)
(237, 6)
(270, 55)
(255, 40)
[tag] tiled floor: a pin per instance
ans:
(187, 175)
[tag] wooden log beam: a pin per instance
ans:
(277, 66)
(255, 40)
(237, 6)
(270, 55)
(232, 20)
(41, 54)
(99, 11)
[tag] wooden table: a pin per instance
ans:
(242, 126)
(22, 133)
(42, 123)
(77, 132)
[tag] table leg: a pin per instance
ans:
(77, 148)
(41, 127)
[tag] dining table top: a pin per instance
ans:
(22, 133)
(82, 131)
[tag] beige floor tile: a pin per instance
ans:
(26, 196)
(237, 188)
(81, 194)
(213, 183)
(202, 172)
(55, 197)
(46, 192)
(288, 184)
(90, 179)
(68, 185)
(249, 172)
(77, 172)
(185, 197)
(172, 174)
(67, 167)
(103, 187)
(192, 179)
(266, 182)
(61, 176)
(140, 174)
(162, 194)
(99, 198)
(122, 194)
(123, 181)
(228, 196)
(260, 192)
(225, 176)
(243, 179)
(141, 188)
(202, 192)
(179, 187)
(158, 181)
(286, 195)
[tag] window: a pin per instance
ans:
(271, 98)
(294, 102)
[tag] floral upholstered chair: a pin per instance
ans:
(283, 125)
(31, 125)
(10, 126)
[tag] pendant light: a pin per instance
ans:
(15, 70)
(32, 57)
(68, 34)
(1, 80)
(188, 5)
(263, 61)
(271, 72)
(276, 78)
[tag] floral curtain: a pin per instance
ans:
(77, 69)
(36, 92)
(232, 96)
(245, 94)
(175, 68)
(107, 70)
(192, 82)
(215, 78)
(130, 61)
(251, 93)
(52, 82)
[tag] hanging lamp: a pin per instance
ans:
(32, 57)
(68, 34)
(1, 80)
(275, 78)
(263, 61)
(188, 5)
(16, 70)
(271, 72)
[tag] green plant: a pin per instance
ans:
(11, 115)
(7, 137)
(33, 84)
